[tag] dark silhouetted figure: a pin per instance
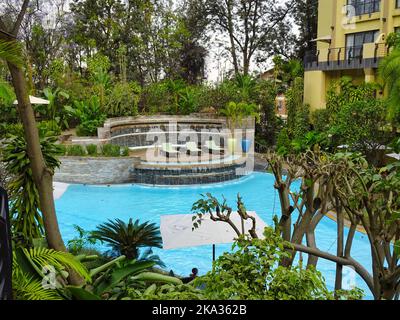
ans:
(192, 276)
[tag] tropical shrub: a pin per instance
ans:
(236, 112)
(26, 218)
(91, 150)
(76, 150)
(127, 238)
(83, 240)
(50, 126)
(123, 100)
(54, 111)
(344, 91)
(155, 98)
(110, 150)
(188, 100)
(124, 151)
(89, 114)
(251, 271)
(361, 126)
(320, 119)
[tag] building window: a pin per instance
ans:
(355, 43)
(366, 6)
(397, 3)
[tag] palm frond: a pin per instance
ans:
(42, 257)
(26, 287)
(10, 51)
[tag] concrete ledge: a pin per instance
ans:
(88, 170)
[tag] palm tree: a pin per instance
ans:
(127, 238)
(10, 51)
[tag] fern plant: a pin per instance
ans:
(27, 287)
(41, 257)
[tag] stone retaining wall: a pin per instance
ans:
(88, 170)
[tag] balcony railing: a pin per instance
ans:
(366, 55)
(365, 7)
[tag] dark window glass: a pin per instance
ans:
(365, 6)
(355, 42)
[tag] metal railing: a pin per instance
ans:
(343, 56)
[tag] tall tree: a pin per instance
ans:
(305, 15)
(254, 28)
(42, 175)
(193, 52)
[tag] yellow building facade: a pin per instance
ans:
(350, 42)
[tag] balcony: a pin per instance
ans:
(345, 58)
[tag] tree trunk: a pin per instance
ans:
(42, 176)
(340, 247)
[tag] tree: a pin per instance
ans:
(305, 15)
(361, 126)
(42, 175)
(359, 194)
(127, 238)
(193, 53)
(253, 28)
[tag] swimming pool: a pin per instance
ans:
(88, 206)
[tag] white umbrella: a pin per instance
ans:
(176, 230)
(35, 100)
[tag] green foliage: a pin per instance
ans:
(76, 150)
(89, 114)
(8, 112)
(297, 283)
(250, 272)
(27, 222)
(389, 70)
(283, 143)
(236, 112)
(188, 100)
(26, 287)
(51, 127)
(110, 150)
(29, 271)
(124, 152)
(123, 100)
(54, 111)
(361, 126)
(345, 91)
(320, 120)
(91, 150)
(83, 240)
(10, 51)
(168, 292)
(267, 128)
(302, 121)
(127, 238)
(295, 108)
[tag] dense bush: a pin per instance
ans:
(320, 120)
(50, 126)
(89, 114)
(110, 150)
(76, 150)
(124, 151)
(91, 150)
(27, 222)
(123, 100)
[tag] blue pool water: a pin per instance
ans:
(88, 206)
